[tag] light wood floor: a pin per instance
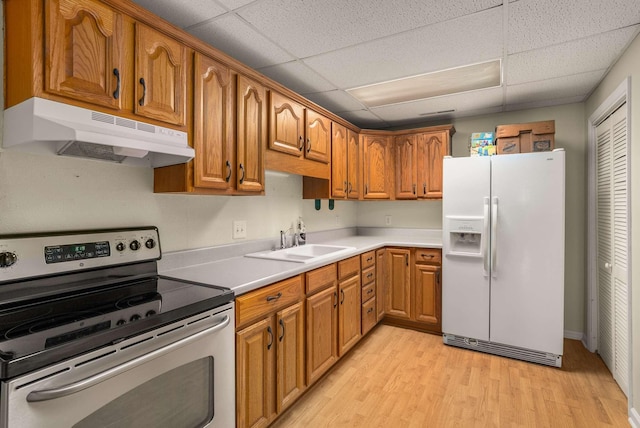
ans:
(402, 378)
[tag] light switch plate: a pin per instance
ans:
(239, 229)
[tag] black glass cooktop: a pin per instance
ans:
(35, 333)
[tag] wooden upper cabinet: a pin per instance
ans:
(353, 165)
(432, 148)
(377, 167)
(251, 134)
(318, 133)
(213, 124)
(339, 157)
(286, 125)
(405, 151)
(161, 76)
(84, 41)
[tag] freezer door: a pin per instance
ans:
(527, 285)
(465, 286)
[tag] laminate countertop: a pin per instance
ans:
(226, 265)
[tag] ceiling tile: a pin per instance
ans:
(560, 87)
(574, 57)
(427, 49)
(307, 28)
(537, 23)
(297, 77)
(234, 4)
(183, 13)
(335, 101)
(364, 119)
(234, 37)
(413, 111)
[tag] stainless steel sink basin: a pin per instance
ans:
(302, 254)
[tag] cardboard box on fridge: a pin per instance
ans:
(528, 137)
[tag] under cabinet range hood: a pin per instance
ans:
(38, 125)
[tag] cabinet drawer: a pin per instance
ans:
(428, 255)
(368, 259)
(267, 300)
(368, 275)
(321, 278)
(348, 267)
(368, 291)
(369, 318)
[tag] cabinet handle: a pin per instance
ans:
(424, 188)
(406, 259)
(228, 177)
(370, 275)
(370, 310)
(414, 189)
(116, 93)
(282, 326)
(242, 177)
(350, 188)
(369, 259)
(366, 189)
(301, 143)
(270, 332)
(370, 291)
(346, 187)
(335, 296)
(274, 298)
(144, 91)
(427, 255)
(308, 145)
(342, 295)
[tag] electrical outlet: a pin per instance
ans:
(337, 220)
(387, 220)
(239, 229)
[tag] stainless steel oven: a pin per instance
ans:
(91, 336)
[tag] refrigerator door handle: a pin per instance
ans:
(485, 237)
(494, 234)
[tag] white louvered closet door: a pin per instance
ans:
(612, 215)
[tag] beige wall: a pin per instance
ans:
(629, 66)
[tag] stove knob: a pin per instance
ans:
(120, 246)
(7, 259)
(120, 322)
(150, 243)
(134, 317)
(150, 313)
(134, 245)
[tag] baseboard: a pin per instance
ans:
(634, 418)
(575, 335)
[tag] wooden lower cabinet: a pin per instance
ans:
(414, 288)
(322, 332)
(381, 281)
(290, 355)
(349, 314)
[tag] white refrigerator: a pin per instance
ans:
(503, 255)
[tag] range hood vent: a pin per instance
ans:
(43, 126)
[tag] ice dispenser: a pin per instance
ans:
(465, 235)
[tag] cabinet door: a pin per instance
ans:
(432, 148)
(382, 281)
(255, 374)
(251, 134)
(428, 295)
(399, 291)
(290, 355)
(318, 145)
(322, 333)
(377, 167)
(214, 116)
(353, 165)
(349, 314)
(84, 45)
(405, 149)
(161, 76)
(339, 159)
(286, 130)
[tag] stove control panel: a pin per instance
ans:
(31, 255)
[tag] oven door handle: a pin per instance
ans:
(72, 388)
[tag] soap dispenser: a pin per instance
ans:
(302, 232)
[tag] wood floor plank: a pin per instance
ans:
(402, 378)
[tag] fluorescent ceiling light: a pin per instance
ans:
(429, 85)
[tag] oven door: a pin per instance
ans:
(181, 375)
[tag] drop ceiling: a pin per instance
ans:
(552, 51)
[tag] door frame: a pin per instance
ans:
(616, 99)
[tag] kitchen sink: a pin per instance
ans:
(302, 254)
